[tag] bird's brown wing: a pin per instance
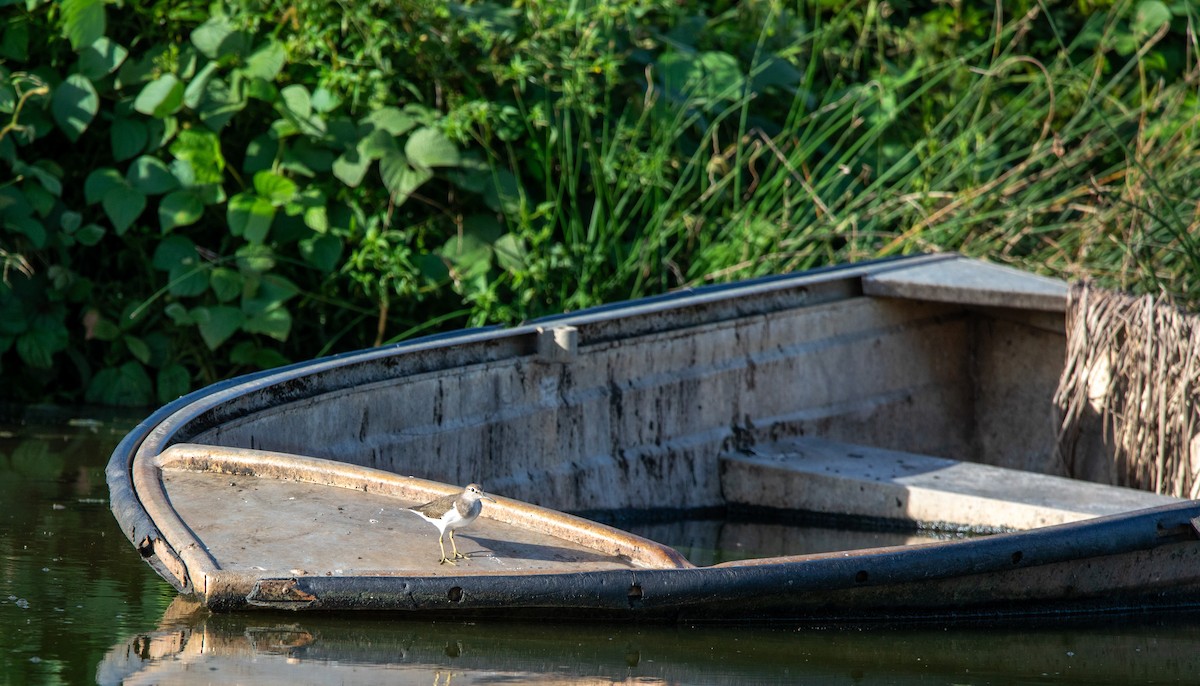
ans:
(435, 508)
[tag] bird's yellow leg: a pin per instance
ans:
(454, 545)
(442, 545)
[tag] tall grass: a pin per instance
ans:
(1078, 165)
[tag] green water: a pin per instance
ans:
(78, 606)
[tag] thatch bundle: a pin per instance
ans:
(1132, 376)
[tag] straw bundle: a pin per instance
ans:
(1133, 374)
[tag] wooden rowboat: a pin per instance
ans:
(916, 390)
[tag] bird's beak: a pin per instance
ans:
(488, 498)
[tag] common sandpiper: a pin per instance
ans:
(453, 512)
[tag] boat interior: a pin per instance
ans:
(726, 397)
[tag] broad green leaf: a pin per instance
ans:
(217, 323)
(297, 100)
(104, 330)
(775, 71)
(1150, 17)
(46, 336)
(159, 132)
(14, 202)
(323, 252)
(250, 215)
(46, 173)
(391, 120)
(303, 157)
(257, 88)
(432, 267)
(101, 58)
(128, 385)
(173, 251)
(27, 226)
(159, 342)
(701, 78)
(137, 348)
(198, 86)
(276, 188)
(471, 253)
(74, 105)
(150, 176)
(400, 178)
(351, 167)
(140, 69)
(83, 21)
(511, 252)
(202, 150)
(182, 170)
(99, 182)
(70, 221)
(268, 293)
(161, 97)
(284, 128)
(255, 259)
(427, 147)
(250, 353)
(276, 323)
(266, 62)
(503, 192)
(220, 104)
(179, 208)
(173, 382)
(14, 41)
(41, 199)
(211, 35)
(179, 314)
(188, 281)
(123, 205)
(342, 133)
(128, 137)
(316, 218)
(377, 144)
(225, 283)
(324, 101)
(90, 234)
(260, 154)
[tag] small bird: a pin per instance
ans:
(453, 512)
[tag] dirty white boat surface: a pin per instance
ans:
(916, 390)
(237, 516)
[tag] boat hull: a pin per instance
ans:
(659, 405)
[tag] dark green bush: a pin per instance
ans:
(191, 190)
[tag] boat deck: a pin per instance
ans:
(237, 516)
(254, 524)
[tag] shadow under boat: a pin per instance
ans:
(916, 390)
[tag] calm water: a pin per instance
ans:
(78, 606)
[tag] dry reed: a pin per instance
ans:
(1133, 373)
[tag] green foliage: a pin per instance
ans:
(199, 189)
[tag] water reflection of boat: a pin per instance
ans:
(200, 647)
(842, 392)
